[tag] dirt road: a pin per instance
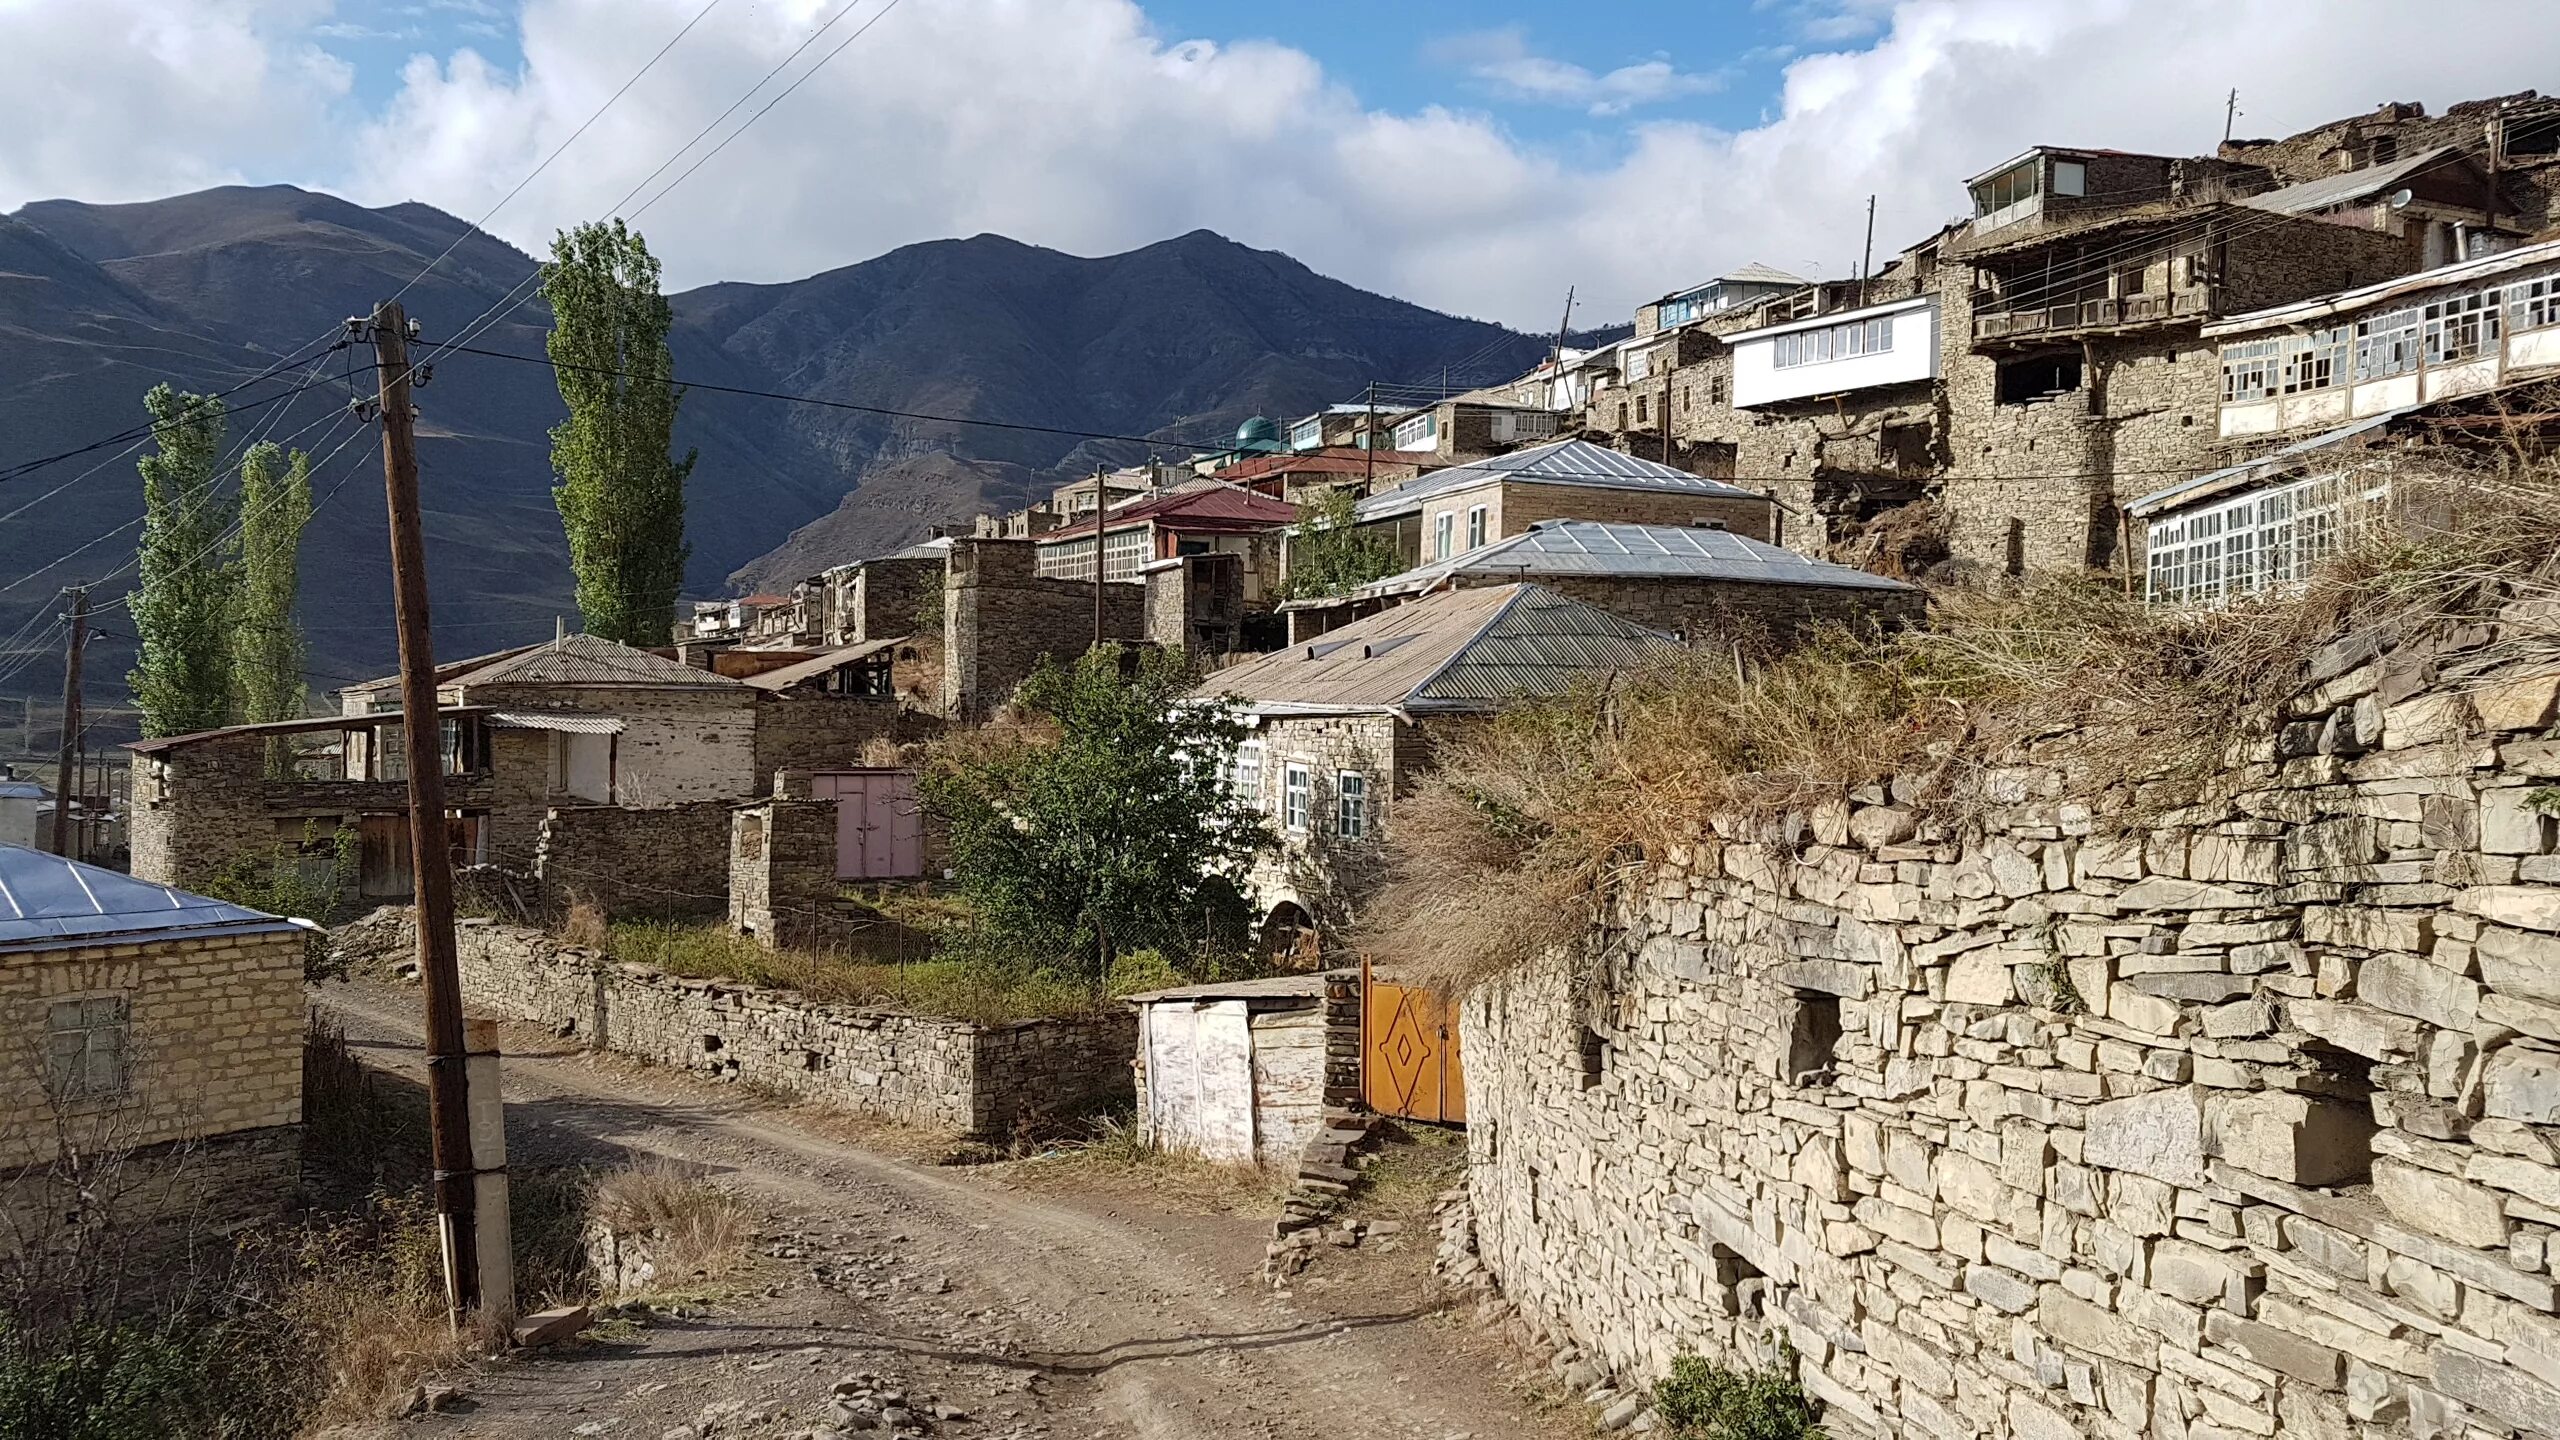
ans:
(1031, 1314)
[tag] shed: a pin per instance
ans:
(1233, 1070)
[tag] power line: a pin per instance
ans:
(144, 432)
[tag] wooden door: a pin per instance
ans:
(382, 857)
(1409, 1063)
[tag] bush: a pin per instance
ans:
(1703, 1401)
(109, 1382)
(309, 881)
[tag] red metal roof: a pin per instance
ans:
(1217, 508)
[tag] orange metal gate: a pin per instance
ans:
(1409, 1062)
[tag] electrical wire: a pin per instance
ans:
(144, 431)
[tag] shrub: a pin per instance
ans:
(310, 881)
(698, 1230)
(1703, 1401)
(109, 1382)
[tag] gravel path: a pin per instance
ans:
(1029, 1314)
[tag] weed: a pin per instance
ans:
(697, 1231)
(984, 991)
(1118, 1152)
(1703, 1401)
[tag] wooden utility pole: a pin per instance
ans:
(1099, 506)
(2230, 113)
(1369, 443)
(1867, 257)
(430, 861)
(62, 769)
(1666, 415)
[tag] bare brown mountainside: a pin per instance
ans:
(1182, 340)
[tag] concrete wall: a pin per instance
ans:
(914, 1069)
(2236, 1120)
(1000, 618)
(214, 1042)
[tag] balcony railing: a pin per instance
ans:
(1995, 319)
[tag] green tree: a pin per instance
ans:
(1105, 825)
(621, 497)
(1330, 554)
(267, 649)
(182, 610)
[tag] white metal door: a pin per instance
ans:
(1200, 1079)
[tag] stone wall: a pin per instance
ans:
(1000, 618)
(782, 870)
(2237, 1121)
(669, 861)
(1313, 867)
(213, 1042)
(824, 732)
(1511, 508)
(161, 1210)
(915, 1069)
(678, 742)
(887, 598)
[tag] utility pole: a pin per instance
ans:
(1666, 417)
(1099, 489)
(1369, 443)
(62, 770)
(2230, 113)
(457, 1187)
(1867, 257)
(1555, 356)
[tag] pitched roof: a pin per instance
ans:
(2354, 185)
(48, 902)
(584, 659)
(1558, 462)
(1215, 505)
(1465, 650)
(1597, 549)
(1756, 273)
(787, 676)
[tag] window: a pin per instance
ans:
(1418, 433)
(1643, 410)
(2283, 365)
(2461, 327)
(1351, 805)
(1307, 434)
(2387, 344)
(85, 1045)
(1717, 389)
(2532, 304)
(1248, 773)
(2041, 377)
(1476, 516)
(2019, 182)
(1296, 793)
(2255, 542)
(2070, 177)
(1833, 342)
(1443, 528)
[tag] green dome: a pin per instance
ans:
(1257, 433)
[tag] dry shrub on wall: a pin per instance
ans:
(1513, 843)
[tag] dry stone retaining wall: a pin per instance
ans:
(2238, 1124)
(916, 1069)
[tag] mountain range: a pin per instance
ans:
(1180, 340)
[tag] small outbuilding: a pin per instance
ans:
(1233, 1070)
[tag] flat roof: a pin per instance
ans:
(1832, 317)
(374, 721)
(1270, 987)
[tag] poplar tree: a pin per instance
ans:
(182, 609)
(621, 496)
(267, 648)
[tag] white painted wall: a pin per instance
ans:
(1758, 381)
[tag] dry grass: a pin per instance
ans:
(697, 1230)
(1116, 1156)
(960, 990)
(1512, 846)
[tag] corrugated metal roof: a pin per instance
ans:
(1594, 548)
(1756, 273)
(2231, 476)
(1213, 505)
(564, 722)
(810, 669)
(23, 790)
(48, 902)
(1559, 462)
(374, 721)
(1463, 650)
(2354, 185)
(584, 659)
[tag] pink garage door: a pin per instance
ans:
(879, 822)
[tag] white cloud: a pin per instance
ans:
(1501, 62)
(1077, 124)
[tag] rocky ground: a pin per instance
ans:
(890, 1296)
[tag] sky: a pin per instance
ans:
(1477, 157)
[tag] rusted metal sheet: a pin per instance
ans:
(1409, 1063)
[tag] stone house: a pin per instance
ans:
(1001, 617)
(1689, 582)
(1458, 429)
(2328, 380)
(1300, 474)
(1341, 725)
(887, 595)
(148, 1023)
(1449, 511)
(1204, 517)
(1741, 289)
(2057, 1121)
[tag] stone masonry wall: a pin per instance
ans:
(782, 871)
(668, 861)
(915, 1069)
(2237, 1123)
(823, 732)
(1000, 618)
(678, 742)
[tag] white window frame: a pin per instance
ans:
(1351, 805)
(1297, 795)
(1419, 432)
(1247, 775)
(88, 1050)
(2263, 540)
(1478, 517)
(1444, 530)
(1825, 343)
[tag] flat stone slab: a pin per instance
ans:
(549, 1327)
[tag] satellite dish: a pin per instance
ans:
(2400, 199)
